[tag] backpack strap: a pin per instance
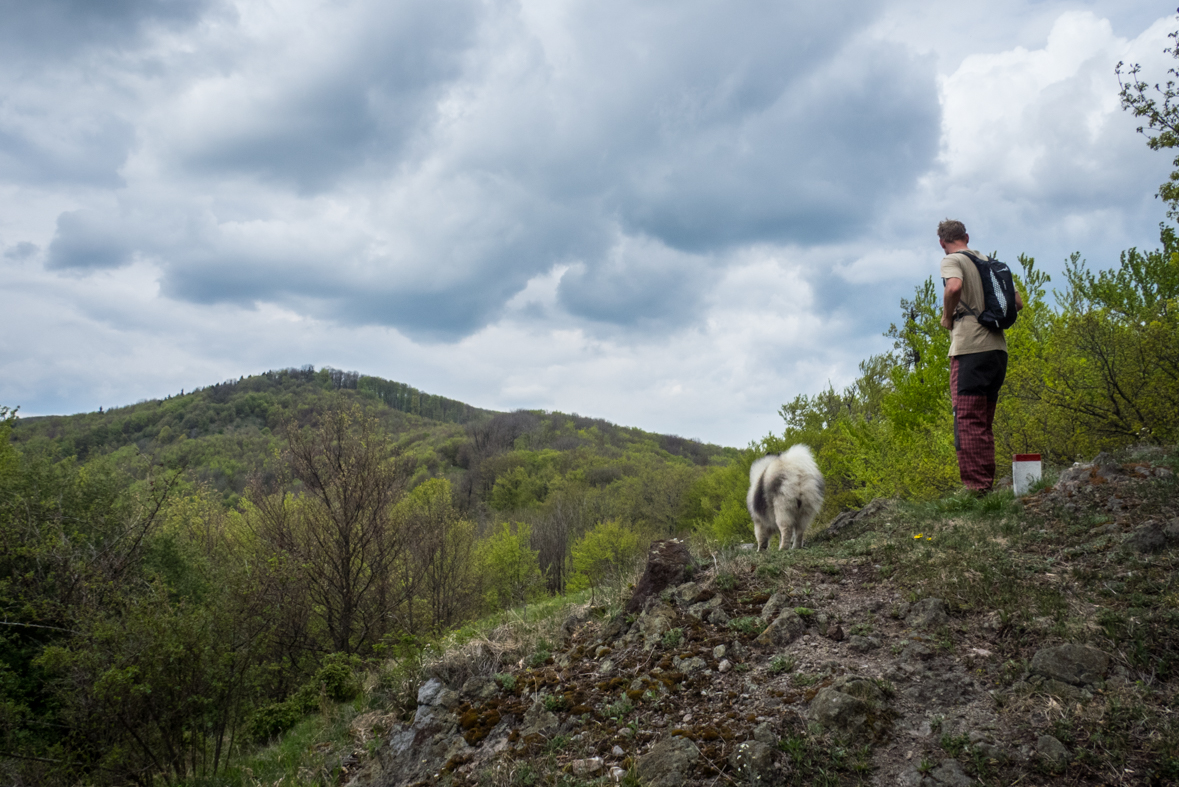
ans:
(961, 303)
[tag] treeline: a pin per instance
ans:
(182, 578)
(1093, 367)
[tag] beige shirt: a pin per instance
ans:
(969, 335)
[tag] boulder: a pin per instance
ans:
(666, 561)
(1071, 663)
(753, 761)
(849, 518)
(927, 613)
(1053, 752)
(786, 628)
(950, 774)
(669, 763)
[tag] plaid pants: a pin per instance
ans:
(975, 380)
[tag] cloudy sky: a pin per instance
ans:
(673, 214)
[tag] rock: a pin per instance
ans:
(538, 721)
(1152, 535)
(916, 651)
(1071, 663)
(860, 644)
(786, 628)
(765, 734)
(416, 752)
(859, 686)
(835, 710)
(848, 518)
(429, 692)
(753, 761)
(617, 774)
(835, 633)
(950, 774)
(656, 620)
(617, 751)
(724, 666)
(776, 604)
(587, 767)
(1053, 752)
(685, 595)
(927, 613)
(669, 763)
(911, 777)
(701, 610)
(719, 652)
(665, 568)
(479, 687)
(718, 617)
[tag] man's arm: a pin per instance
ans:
(1018, 301)
(950, 305)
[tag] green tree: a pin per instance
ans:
(1158, 107)
(511, 569)
(605, 554)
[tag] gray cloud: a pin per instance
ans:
(359, 107)
(21, 251)
(88, 240)
(55, 28)
(46, 153)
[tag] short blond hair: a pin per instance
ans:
(951, 230)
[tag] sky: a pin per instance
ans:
(671, 214)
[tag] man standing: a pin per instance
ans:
(978, 359)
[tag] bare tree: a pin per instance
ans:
(338, 533)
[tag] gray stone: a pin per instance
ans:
(911, 777)
(587, 767)
(656, 620)
(718, 617)
(685, 594)
(753, 761)
(669, 763)
(776, 604)
(916, 651)
(1152, 535)
(538, 721)
(927, 613)
(479, 687)
(1071, 663)
(694, 664)
(429, 692)
(719, 652)
(950, 774)
(836, 710)
(1052, 751)
(786, 628)
(849, 518)
(701, 610)
(764, 733)
(859, 644)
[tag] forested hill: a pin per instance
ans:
(227, 433)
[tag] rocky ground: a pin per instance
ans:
(845, 667)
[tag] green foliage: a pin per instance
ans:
(510, 568)
(607, 553)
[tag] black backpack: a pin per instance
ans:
(998, 293)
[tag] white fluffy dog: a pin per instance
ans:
(785, 493)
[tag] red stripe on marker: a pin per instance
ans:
(1027, 457)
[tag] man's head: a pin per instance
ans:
(952, 235)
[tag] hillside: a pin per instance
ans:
(226, 433)
(953, 643)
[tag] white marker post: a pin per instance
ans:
(1025, 471)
